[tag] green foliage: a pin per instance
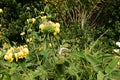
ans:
(83, 50)
(109, 18)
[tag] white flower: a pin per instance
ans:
(116, 50)
(118, 44)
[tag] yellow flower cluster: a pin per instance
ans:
(50, 27)
(17, 53)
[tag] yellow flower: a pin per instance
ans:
(44, 18)
(55, 33)
(33, 20)
(25, 45)
(57, 29)
(29, 40)
(22, 34)
(9, 57)
(10, 50)
(1, 11)
(25, 51)
(20, 55)
(50, 27)
(41, 48)
(41, 27)
(17, 53)
(16, 57)
(50, 45)
(118, 63)
(28, 21)
(57, 25)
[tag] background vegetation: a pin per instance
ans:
(84, 49)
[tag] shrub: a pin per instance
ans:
(56, 39)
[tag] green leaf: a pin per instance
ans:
(77, 54)
(60, 60)
(15, 77)
(94, 62)
(111, 66)
(6, 77)
(115, 75)
(100, 76)
(46, 9)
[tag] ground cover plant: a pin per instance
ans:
(59, 40)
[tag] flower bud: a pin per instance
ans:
(1, 11)
(44, 18)
(50, 45)
(33, 20)
(22, 34)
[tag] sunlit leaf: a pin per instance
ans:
(111, 66)
(15, 77)
(115, 75)
(100, 76)
(94, 62)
